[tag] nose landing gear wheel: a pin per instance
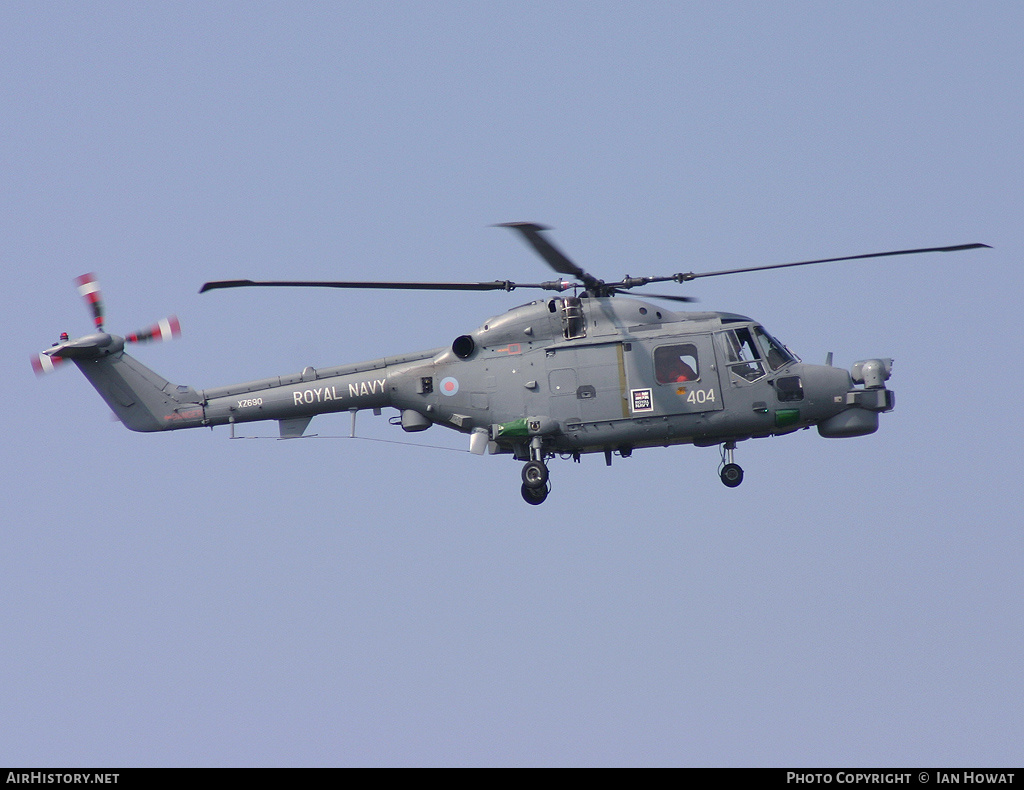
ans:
(534, 496)
(732, 475)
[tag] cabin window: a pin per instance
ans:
(676, 363)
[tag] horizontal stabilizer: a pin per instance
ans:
(294, 427)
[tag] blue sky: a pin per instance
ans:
(185, 599)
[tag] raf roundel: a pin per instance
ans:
(449, 386)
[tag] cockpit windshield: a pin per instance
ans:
(773, 351)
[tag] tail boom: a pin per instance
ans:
(144, 401)
(141, 399)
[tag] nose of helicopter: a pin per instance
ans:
(825, 386)
(824, 391)
(842, 409)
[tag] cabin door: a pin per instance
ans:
(672, 375)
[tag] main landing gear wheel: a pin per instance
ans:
(535, 475)
(534, 496)
(732, 475)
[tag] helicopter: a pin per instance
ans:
(594, 371)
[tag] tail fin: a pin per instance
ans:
(141, 399)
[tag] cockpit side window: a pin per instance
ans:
(747, 349)
(742, 355)
(676, 363)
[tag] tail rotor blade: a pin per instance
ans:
(89, 288)
(44, 363)
(166, 329)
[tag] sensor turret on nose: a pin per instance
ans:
(872, 373)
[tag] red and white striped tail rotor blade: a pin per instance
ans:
(44, 363)
(89, 288)
(167, 329)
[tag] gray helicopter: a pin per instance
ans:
(594, 372)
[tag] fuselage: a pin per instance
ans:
(588, 374)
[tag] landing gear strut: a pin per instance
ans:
(731, 473)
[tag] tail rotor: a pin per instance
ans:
(99, 343)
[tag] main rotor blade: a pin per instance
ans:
(496, 285)
(693, 276)
(645, 295)
(555, 258)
